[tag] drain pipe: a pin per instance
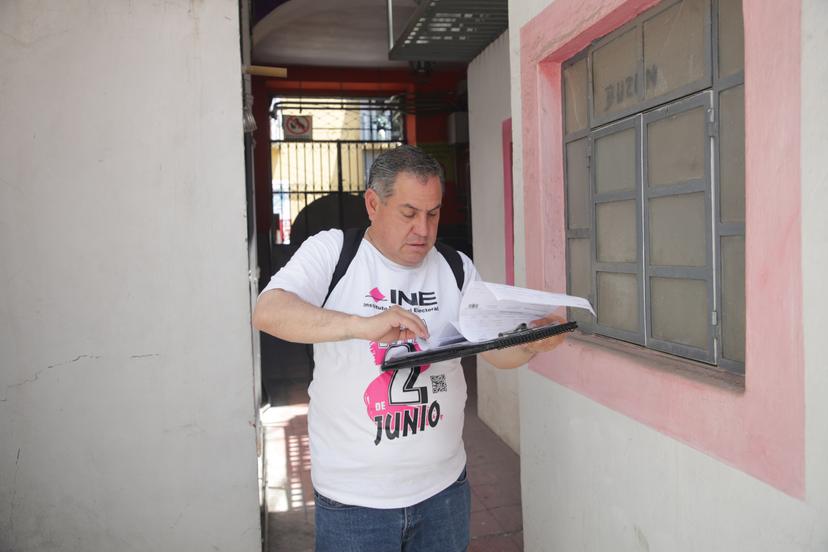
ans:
(390, 25)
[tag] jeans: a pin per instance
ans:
(437, 524)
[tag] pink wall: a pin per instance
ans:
(508, 207)
(760, 430)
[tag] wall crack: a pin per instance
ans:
(39, 372)
(14, 493)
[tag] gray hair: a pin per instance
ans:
(390, 163)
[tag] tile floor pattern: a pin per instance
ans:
(494, 474)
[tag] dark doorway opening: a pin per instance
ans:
(321, 150)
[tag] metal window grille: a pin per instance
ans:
(654, 170)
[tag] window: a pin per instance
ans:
(654, 171)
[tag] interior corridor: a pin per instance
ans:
(494, 474)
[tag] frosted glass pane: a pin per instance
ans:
(733, 297)
(580, 275)
(677, 230)
(615, 78)
(679, 311)
(676, 148)
(616, 231)
(580, 282)
(577, 184)
(732, 154)
(618, 301)
(575, 86)
(674, 48)
(731, 37)
(615, 162)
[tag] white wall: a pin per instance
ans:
(520, 12)
(126, 388)
(595, 480)
(489, 106)
(814, 135)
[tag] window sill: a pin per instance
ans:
(656, 360)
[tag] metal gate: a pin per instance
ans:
(319, 175)
(319, 185)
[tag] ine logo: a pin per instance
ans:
(414, 299)
(399, 297)
(376, 295)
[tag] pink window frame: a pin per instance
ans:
(759, 430)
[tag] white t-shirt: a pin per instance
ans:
(380, 439)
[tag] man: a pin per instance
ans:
(388, 463)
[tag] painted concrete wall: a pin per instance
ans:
(597, 479)
(489, 106)
(126, 387)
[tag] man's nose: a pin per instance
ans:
(421, 224)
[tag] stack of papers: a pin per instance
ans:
(487, 310)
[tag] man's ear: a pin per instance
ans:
(372, 201)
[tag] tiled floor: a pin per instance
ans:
(494, 474)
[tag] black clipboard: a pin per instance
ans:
(406, 358)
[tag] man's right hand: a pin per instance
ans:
(394, 324)
(284, 315)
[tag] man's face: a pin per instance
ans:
(404, 226)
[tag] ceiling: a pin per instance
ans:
(354, 33)
(331, 33)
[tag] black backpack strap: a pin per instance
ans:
(454, 261)
(351, 239)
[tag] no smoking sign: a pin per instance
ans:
(298, 127)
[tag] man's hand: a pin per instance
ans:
(521, 354)
(394, 324)
(286, 316)
(546, 345)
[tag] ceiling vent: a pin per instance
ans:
(449, 30)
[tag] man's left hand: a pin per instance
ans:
(549, 343)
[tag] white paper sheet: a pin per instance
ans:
(487, 309)
(447, 335)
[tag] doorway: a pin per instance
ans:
(321, 150)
